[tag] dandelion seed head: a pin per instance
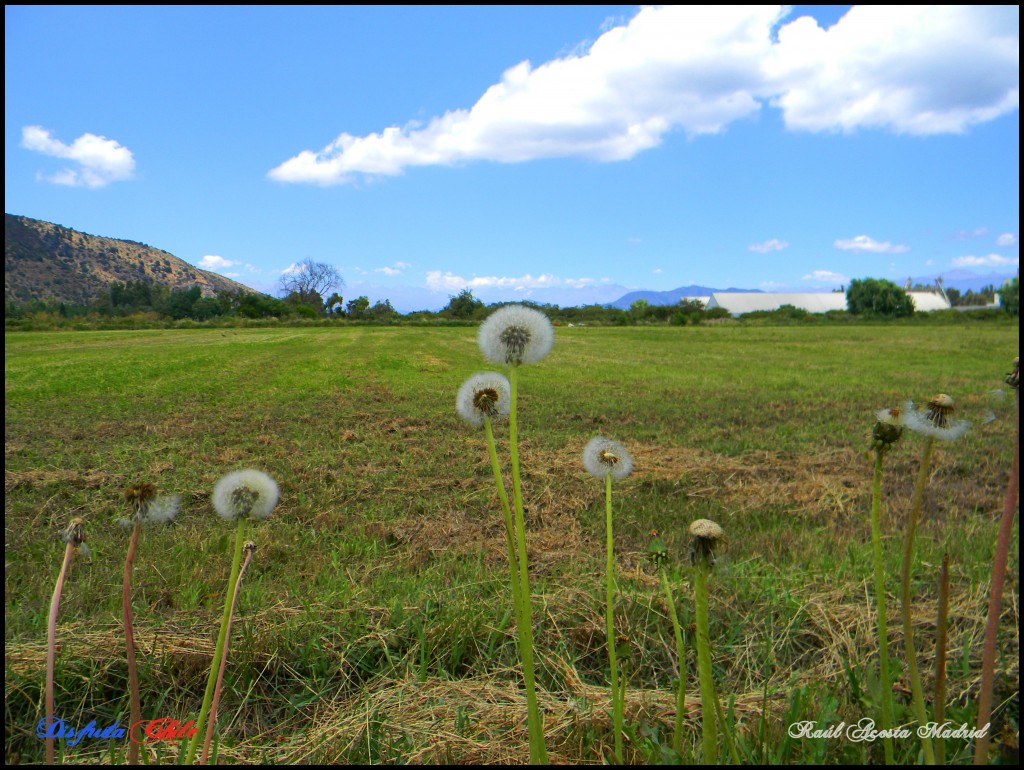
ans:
(139, 496)
(486, 395)
(245, 493)
(602, 456)
(163, 509)
(935, 419)
(515, 334)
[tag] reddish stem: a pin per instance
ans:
(129, 640)
(51, 643)
(995, 600)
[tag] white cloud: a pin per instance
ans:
(826, 276)
(772, 244)
(395, 269)
(696, 69)
(657, 271)
(213, 262)
(966, 235)
(1007, 239)
(438, 281)
(910, 69)
(989, 260)
(866, 243)
(99, 160)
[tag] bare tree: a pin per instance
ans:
(310, 281)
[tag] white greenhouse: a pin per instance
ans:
(738, 303)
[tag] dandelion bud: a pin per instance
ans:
(887, 430)
(657, 551)
(1013, 378)
(707, 536)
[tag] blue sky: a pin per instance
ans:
(562, 154)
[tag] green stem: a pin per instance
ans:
(513, 560)
(940, 657)
(617, 705)
(134, 703)
(677, 734)
(883, 627)
(905, 596)
(708, 718)
(535, 723)
(218, 652)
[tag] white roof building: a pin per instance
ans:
(739, 303)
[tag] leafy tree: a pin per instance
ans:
(877, 296)
(309, 282)
(464, 305)
(1009, 296)
(357, 308)
(382, 311)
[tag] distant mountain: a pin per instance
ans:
(50, 262)
(669, 297)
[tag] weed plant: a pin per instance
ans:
(337, 655)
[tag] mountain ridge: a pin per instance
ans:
(50, 262)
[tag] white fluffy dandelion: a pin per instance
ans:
(515, 334)
(245, 493)
(935, 419)
(484, 396)
(602, 456)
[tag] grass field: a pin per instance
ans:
(375, 622)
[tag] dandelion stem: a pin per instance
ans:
(51, 642)
(709, 720)
(883, 626)
(677, 734)
(218, 653)
(134, 703)
(908, 626)
(535, 724)
(995, 599)
(513, 560)
(940, 658)
(617, 715)
(224, 660)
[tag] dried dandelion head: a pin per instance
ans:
(484, 396)
(936, 419)
(148, 507)
(139, 495)
(888, 429)
(515, 334)
(602, 457)
(74, 532)
(707, 538)
(245, 493)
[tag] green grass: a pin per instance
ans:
(373, 623)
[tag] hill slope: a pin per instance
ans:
(54, 263)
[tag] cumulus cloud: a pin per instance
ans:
(772, 244)
(826, 276)
(1007, 239)
(866, 243)
(98, 160)
(989, 260)
(438, 281)
(213, 262)
(698, 69)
